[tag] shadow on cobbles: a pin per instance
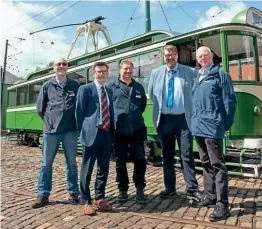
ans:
(154, 204)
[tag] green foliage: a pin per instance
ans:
(50, 64)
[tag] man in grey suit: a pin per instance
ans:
(170, 88)
(95, 123)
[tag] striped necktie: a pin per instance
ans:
(105, 111)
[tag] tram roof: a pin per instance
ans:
(135, 42)
(251, 15)
(149, 37)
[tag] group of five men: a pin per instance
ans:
(185, 104)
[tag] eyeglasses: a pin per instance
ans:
(168, 55)
(101, 72)
(61, 64)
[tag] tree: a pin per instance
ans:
(50, 64)
(37, 68)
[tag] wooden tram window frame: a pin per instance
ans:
(224, 36)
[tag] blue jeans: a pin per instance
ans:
(49, 149)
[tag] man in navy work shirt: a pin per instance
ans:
(129, 104)
(56, 106)
(214, 105)
(170, 88)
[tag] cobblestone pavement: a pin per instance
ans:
(20, 168)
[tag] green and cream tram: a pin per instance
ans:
(237, 48)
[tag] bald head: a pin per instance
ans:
(204, 57)
(61, 67)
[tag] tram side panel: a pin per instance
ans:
(248, 120)
(25, 125)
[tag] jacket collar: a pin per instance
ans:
(175, 68)
(68, 81)
(212, 70)
(118, 81)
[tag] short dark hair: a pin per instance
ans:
(129, 62)
(170, 47)
(99, 64)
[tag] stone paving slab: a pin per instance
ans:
(20, 168)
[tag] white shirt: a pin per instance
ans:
(99, 92)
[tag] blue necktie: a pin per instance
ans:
(170, 94)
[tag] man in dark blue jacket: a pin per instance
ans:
(95, 123)
(56, 106)
(129, 104)
(214, 105)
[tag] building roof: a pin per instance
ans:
(10, 78)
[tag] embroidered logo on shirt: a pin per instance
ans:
(138, 96)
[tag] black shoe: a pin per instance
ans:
(195, 195)
(73, 197)
(166, 194)
(40, 201)
(205, 202)
(122, 197)
(220, 212)
(140, 195)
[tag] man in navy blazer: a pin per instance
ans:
(170, 88)
(95, 123)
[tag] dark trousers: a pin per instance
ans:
(170, 129)
(100, 151)
(137, 152)
(215, 173)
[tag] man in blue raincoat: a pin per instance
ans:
(214, 105)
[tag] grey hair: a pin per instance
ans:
(203, 48)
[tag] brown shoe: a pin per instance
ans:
(88, 209)
(73, 197)
(102, 205)
(40, 201)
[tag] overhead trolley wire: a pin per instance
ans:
(186, 12)
(52, 17)
(135, 18)
(50, 20)
(164, 15)
(58, 14)
(36, 15)
(131, 18)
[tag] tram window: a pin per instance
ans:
(241, 57)
(259, 41)
(143, 66)
(113, 73)
(12, 98)
(213, 43)
(22, 93)
(187, 54)
(79, 76)
(34, 90)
